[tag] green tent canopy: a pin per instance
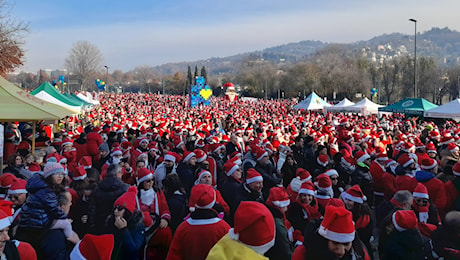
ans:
(49, 93)
(409, 106)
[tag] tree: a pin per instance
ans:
(144, 75)
(204, 73)
(84, 60)
(11, 40)
(189, 76)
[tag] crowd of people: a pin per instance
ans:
(145, 176)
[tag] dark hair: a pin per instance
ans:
(57, 188)
(360, 209)
(172, 183)
(63, 199)
(79, 185)
(12, 159)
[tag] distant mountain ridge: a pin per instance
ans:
(441, 43)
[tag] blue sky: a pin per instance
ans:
(141, 32)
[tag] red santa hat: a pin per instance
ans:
(456, 169)
(430, 148)
(93, 247)
(170, 156)
(428, 163)
(382, 157)
(85, 162)
(34, 167)
(178, 142)
(6, 212)
(348, 161)
(79, 174)
(230, 167)
(261, 154)
(303, 175)
(337, 225)
(200, 155)
(254, 226)
(116, 151)
(128, 199)
(18, 187)
(446, 140)
(331, 172)
(452, 147)
(420, 191)
(144, 174)
(202, 196)
(66, 141)
(187, 156)
(253, 176)
(322, 160)
(6, 180)
(361, 156)
(201, 174)
(405, 160)
(323, 181)
(307, 188)
(355, 194)
(278, 197)
(404, 220)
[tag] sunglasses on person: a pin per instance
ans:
(422, 201)
(118, 208)
(149, 180)
(11, 197)
(334, 179)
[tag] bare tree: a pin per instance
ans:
(11, 40)
(84, 60)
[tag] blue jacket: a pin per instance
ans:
(41, 206)
(423, 176)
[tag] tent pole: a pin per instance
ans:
(34, 126)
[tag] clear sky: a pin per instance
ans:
(154, 32)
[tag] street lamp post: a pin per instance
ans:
(415, 56)
(107, 76)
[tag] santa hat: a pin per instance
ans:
(66, 141)
(303, 175)
(355, 194)
(200, 155)
(85, 162)
(116, 151)
(307, 188)
(337, 225)
(322, 160)
(202, 196)
(254, 226)
(405, 160)
(143, 174)
(428, 163)
(178, 142)
(143, 140)
(343, 121)
(79, 174)
(331, 172)
(361, 156)
(382, 157)
(253, 176)
(52, 168)
(456, 169)
(35, 167)
(187, 156)
(407, 147)
(430, 148)
(261, 154)
(452, 147)
(420, 191)
(348, 161)
(278, 197)
(446, 140)
(199, 143)
(170, 156)
(404, 220)
(230, 167)
(18, 187)
(201, 174)
(323, 181)
(93, 247)
(6, 212)
(127, 199)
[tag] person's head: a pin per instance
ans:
(306, 193)
(290, 160)
(4, 224)
(334, 176)
(420, 195)
(170, 160)
(453, 149)
(299, 142)
(362, 157)
(54, 172)
(338, 229)
(17, 193)
(233, 170)
(171, 184)
(144, 143)
(93, 247)
(29, 158)
(234, 139)
(202, 196)
(15, 160)
(65, 201)
(140, 164)
(254, 180)
(278, 198)
(189, 158)
(404, 199)
(104, 150)
(452, 222)
(262, 157)
(406, 161)
(114, 170)
(404, 220)
(354, 195)
(145, 179)
(125, 205)
(204, 177)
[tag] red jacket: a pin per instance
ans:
(452, 194)
(163, 209)
(388, 185)
(93, 141)
(405, 182)
(437, 192)
(377, 176)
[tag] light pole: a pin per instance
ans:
(415, 56)
(458, 86)
(107, 77)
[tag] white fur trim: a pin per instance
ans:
(76, 254)
(429, 167)
(393, 219)
(454, 149)
(348, 196)
(408, 163)
(233, 169)
(363, 158)
(189, 156)
(5, 222)
(254, 179)
(324, 197)
(197, 222)
(148, 176)
(420, 195)
(283, 203)
(210, 205)
(456, 173)
(337, 237)
(307, 191)
(79, 178)
(18, 191)
(262, 249)
(262, 156)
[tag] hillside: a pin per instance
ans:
(442, 44)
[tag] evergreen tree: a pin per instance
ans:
(203, 72)
(189, 76)
(196, 71)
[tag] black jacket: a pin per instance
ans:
(101, 202)
(407, 244)
(270, 176)
(363, 178)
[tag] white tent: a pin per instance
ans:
(340, 106)
(312, 102)
(86, 96)
(364, 107)
(449, 110)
